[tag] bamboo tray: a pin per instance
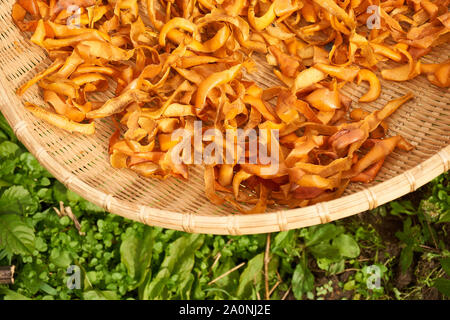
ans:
(81, 162)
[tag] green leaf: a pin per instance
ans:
(402, 207)
(136, 253)
(445, 217)
(406, 258)
(7, 168)
(61, 258)
(184, 288)
(16, 199)
(90, 207)
(325, 250)
(3, 136)
(302, 280)
(4, 183)
(445, 263)
(73, 197)
(231, 281)
(410, 234)
(331, 266)
(100, 295)
(28, 277)
(48, 289)
(347, 246)
(12, 295)
(8, 149)
(59, 192)
(443, 285)
(322, 233)
(282, 240)
(251, 273)
(155, 287)
(178, 260)
(4, 126)
(350, 285)
(15, 235)
(32, 166)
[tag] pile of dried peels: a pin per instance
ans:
(176, 62)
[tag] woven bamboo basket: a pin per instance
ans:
(81, 162)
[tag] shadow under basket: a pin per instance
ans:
(82, 163)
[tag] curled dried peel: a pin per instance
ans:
(53, 68)
(118, 104)
(175, 23)
(212, 81)
(374, 85)
(380, 150)
(61, 121)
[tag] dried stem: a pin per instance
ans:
(286, 293)
(266, 267)
(67, 211)
(226, 273)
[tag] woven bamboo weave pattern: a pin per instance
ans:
(82, 163)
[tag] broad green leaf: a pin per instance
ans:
(61, 258)
(184, 289)
(28, 277)
(48, 289)
(3, 136)
(337, 267)
(282, 240)
(16, 199)
(347, 246)
(30, 164)
(251, 273)
(350, 285)
(322, 233)
(90, 207)
(4, 126)
(302, 281)
(445, 217)
(8, 149)
(154, 288)
(445, 263)
(100, 295)
(178, 260)
(59, 192)
(407, 235)
(230, 282)
(331, 266)
(325, 250)
(402, 207)
(73, 197)
(406, 258)
(443, 285)
(7, 168)
(12, 295)
(4, 183)
(16, 236)
(136, 253)
(180, 253)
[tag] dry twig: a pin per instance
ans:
(226, 273)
